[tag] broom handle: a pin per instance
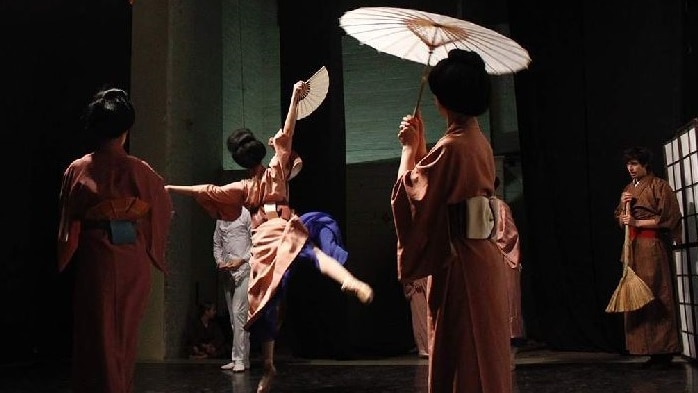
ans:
(626, 242)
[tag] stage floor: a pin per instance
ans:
(537, 371)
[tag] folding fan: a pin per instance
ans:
(316, 93)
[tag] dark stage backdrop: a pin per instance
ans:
(604, 76)
(55, 55)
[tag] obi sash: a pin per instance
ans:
(474, 218)
(118, 217)
(646, 233)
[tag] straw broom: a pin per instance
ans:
(632, 293)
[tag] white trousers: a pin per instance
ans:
(236, 299)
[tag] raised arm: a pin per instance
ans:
(300, 88)
(411, 137)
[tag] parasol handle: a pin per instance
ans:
(422, 81)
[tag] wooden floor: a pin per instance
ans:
(537, 371)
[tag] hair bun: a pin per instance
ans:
(466, 57)
(109, 114)
(240, 137)
(245, 149)
(461, 83)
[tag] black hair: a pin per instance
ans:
(109, 114)
(246, 150)
(641, 154)
(461, 83)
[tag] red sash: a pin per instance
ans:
(647, 233)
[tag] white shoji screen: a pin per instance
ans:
(681, 159)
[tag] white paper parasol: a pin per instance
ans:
(426, 38)
(317, 86)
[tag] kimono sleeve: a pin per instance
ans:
(669, 211)
(419, 203)
(220, 202)
(160, 218)
(508, 235)
(68, 229)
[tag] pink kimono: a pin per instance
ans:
(275, 241)
(112, 281)
(467, 295)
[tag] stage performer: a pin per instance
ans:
(279, 234)
(654, 222)
(114, 220)
(444, 219)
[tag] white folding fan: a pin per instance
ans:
(316, 93)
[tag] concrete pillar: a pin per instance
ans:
(176, 89)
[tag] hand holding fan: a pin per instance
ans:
(315, 92)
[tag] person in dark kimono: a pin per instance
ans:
(279, 236)
(204, 337)
(114, 220)
(445, 224)
(653, 218)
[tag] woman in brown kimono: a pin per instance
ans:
(654, 222)
(445, 223)
(279, 235)
(115, 217)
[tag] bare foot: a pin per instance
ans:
(268, 377)
(358, 288)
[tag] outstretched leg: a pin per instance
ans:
(350, 284)
(269, 369)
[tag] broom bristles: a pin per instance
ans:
(631, 294)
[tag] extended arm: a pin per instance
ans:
(231, 189)
(184, 190)
(220, 202)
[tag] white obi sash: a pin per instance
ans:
(475, 218)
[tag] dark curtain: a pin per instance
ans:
(603, 77)
(56, 54)
(315, 322)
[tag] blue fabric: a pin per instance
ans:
(324, 233)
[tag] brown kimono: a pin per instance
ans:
(507, 238)
(467, 292)
(112, 281)
(275, 241)
(416, 295)
(653, 328)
